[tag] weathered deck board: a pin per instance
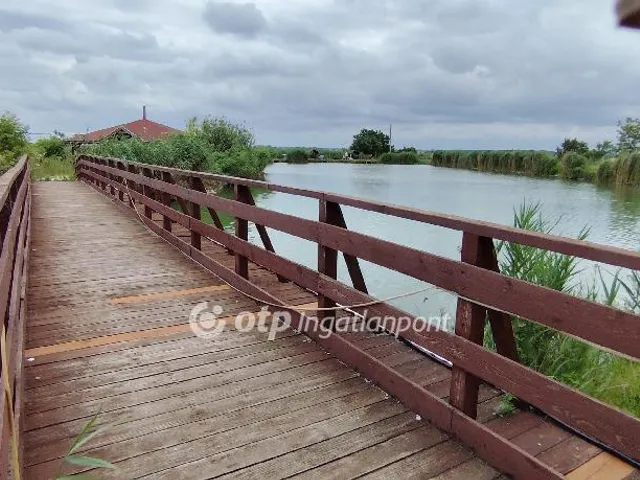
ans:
(237, 406)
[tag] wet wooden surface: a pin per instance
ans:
(108, 331)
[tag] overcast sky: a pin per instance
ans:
(445, 73)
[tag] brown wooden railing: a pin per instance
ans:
(483, 292)
(15, 208)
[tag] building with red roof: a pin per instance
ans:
(144, 129)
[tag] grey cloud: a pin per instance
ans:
(10, 21)
(455, 73)
(241, 19)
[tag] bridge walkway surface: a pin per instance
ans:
(108, 334)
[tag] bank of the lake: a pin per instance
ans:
(623, 170)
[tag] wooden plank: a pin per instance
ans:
(335, 448)
(376, 456)
(170, 294)
(258, 445)
(216, 415)
(118, 338)
(603, 467)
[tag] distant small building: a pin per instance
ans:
(143, 129)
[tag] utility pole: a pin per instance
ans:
(390, 142)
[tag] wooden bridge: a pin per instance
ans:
(98, 281)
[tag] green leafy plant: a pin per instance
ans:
(13, 137)
(596, 372)
(90, 431)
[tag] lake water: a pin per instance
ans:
(613, 216)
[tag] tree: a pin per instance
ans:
(572, 145)
(629, 134)
(13, 136)
(371, 142)
(604, 149)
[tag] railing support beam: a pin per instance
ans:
(242, 231)
(470, 323)
(327, 259)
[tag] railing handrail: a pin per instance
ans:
(8, 178)
(596, 252)
(475, 279)
(15, 206)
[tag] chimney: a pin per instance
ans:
(144, 112)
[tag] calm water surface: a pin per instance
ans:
(612, 216)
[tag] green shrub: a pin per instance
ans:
(605, 172)
(627, 171)
(407, 149)
(213, 145)
(13, 137)
(51, 146)
(573, 166)
(400, 158)
(297, 156)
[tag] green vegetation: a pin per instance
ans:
(298, 156)
(214, 145)
(572, 145)
(44, 168)
(605, 376)
(88, 433)
(622, 170)
(371, 142)
(629, 134)
(400, 158)
(13, 140)
(522, 162)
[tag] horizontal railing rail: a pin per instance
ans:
(483, 293)
(15, 209)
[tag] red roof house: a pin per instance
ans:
(144, 129)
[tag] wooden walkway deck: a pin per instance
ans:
(108, 332)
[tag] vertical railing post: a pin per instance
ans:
(147, 192)
(470, 323)
(132, 185)
(200, 186)
(120, 180)
(327, 259)
(242, 231)
(112, 190)
(103, 185)
(166, 199)
(194, 212)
